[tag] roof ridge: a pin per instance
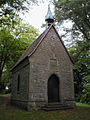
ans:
(46, 31)
(30, 49)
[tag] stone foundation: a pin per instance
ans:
(35, 105)
(70, 103)
(20, 104)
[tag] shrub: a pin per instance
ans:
(85, 97)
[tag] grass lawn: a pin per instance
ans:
(5, 95)
(7, 112)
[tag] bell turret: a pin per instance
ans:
(49, 17)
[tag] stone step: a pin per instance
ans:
(55, 106)
(57, 103)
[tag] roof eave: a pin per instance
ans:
(17, 64)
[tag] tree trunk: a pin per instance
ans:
(0, 75)
(1, 86)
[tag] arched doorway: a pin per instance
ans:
(53, 89)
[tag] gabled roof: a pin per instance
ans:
(31, 49)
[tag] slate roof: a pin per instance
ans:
(31, 49)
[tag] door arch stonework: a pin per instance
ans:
(53, 89)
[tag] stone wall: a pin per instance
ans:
(50, 58)
(20, 97)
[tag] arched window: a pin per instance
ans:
(18, 83)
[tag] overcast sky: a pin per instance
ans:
(36, 14)
(36, 17)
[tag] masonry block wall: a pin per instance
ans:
(20, 98)
(50, 58)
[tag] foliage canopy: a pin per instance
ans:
(15, 37)
(77, 11)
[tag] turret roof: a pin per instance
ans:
(49, 14)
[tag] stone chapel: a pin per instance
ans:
(43, 76)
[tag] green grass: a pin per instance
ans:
(5, 95)
(82, 105)
(81, 112)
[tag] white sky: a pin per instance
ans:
(36, 14)
(36, 17)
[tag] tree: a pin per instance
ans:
(81, 67)
(14, 36)
(13, 42)
(16, 4)
(85, 97)
(9, 9)
(78, 12)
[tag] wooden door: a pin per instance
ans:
(53, 89)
